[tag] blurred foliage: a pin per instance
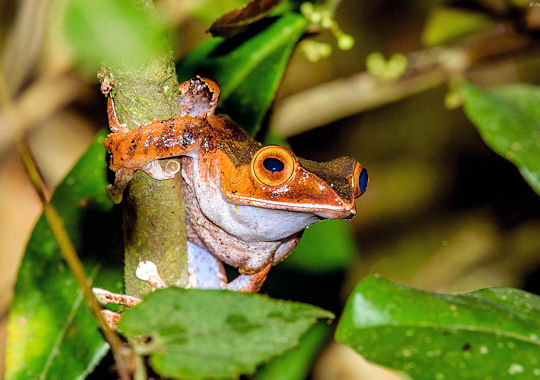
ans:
(210, 10)
(446, 24)
(117, 30)
(324, 247)
(491, 333)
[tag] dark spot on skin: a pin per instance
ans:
(133, 147)
(133, 141)
(466, 347)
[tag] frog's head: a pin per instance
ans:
(277, 179)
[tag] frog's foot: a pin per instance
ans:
(121, 180)
(154, 169)
(105, 297)
(199, 96)
(147, 271)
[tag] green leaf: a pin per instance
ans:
(327, 246)
(248, 66)
(198, 334)
(296, 363)
(445, 24)
(111, 30)
(508, 119)
(52, 334)
(491, 333)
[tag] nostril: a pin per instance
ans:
(363, 180)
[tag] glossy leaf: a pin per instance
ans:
(52, 334)
(111, 30)
(199, 334)
(296, 363)
(235, 20)
(325, 247)
(508, 119)
(491, 333)
(248, 66)
(445, 24)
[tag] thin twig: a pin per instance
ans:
(38, 102)
(120, 351)
(428, 68)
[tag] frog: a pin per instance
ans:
(247, 204)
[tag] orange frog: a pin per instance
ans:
(246, 204)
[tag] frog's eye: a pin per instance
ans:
(361, 180)
(272, 165)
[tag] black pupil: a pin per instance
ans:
(273, 164)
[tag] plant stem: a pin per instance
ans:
(120, 351)
(153, 211)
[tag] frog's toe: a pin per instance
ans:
(154, 169)
(172, 168)
(111, 318)
(116, 190)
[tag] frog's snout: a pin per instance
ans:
(351, 214)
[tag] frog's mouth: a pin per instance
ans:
(337, 214)
(344, 211)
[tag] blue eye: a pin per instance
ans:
(363, 180)
(273, 164)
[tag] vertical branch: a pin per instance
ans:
(153, 211)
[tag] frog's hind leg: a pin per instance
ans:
(154, 169)
(205, 271)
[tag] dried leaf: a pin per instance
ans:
(233, 21)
